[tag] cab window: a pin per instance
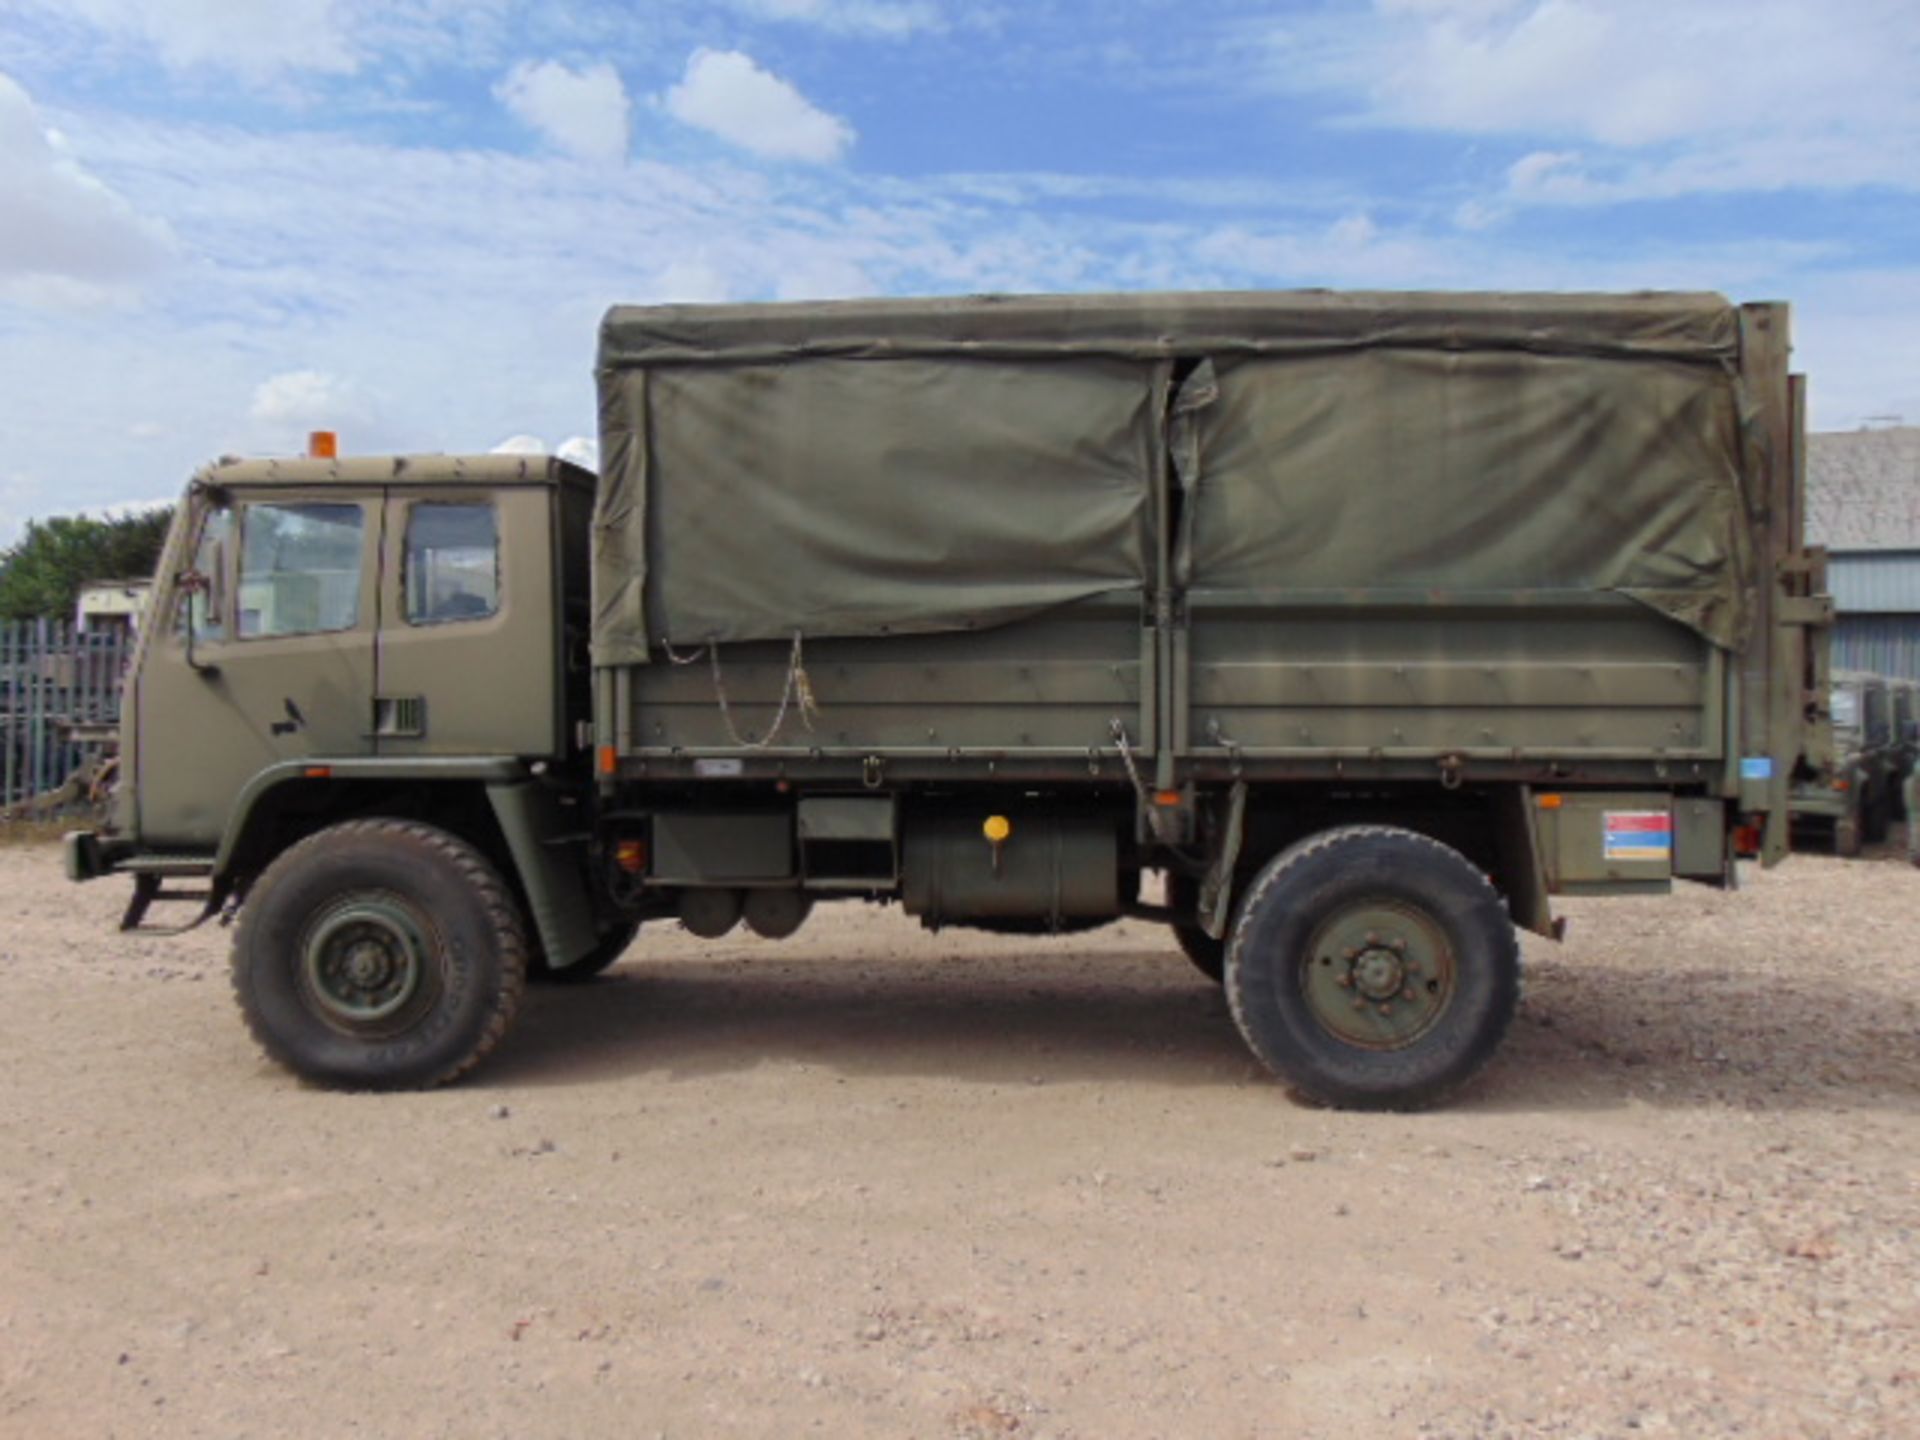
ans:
(452, 563)
(299, 569)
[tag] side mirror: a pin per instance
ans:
(190, 584)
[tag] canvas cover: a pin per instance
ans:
(875, 467)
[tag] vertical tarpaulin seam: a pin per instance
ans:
(1200, 390)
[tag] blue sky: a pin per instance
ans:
(226, 222)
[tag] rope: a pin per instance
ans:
(797, 687)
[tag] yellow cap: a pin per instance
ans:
(997, 828)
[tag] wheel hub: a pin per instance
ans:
(364, 961)
(1379, 975)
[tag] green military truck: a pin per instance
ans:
(1367, 622)
(1850, 798)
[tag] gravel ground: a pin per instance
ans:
(876, 1182)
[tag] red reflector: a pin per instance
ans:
(319, 772)
(631, 856)
(1746, 841)
(1166, 799)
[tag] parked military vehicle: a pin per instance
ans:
(1906, 740)
(1370, 622)
(1850, 799)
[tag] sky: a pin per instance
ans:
(224, 223)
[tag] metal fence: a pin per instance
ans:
(59, 714)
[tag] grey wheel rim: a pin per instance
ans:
(1379, 974)
(366, 964)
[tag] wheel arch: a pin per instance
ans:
(284, 803)
(1495, 827)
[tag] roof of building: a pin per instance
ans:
(1863, 489)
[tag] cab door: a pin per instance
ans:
(468, 650)
(268, 654)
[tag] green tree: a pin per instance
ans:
(41, 574)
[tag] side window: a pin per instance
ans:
(453, 563)
(299, 569)
(202, 610)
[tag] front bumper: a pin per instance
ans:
(89, 855)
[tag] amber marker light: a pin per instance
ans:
(319, 772)
(997, 828)
(1549, 802)
(323, 445)
(631, 856)
(1166, 799)
(609, 760)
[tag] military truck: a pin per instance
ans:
(1356, 626)
(1850, 799)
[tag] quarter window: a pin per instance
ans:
(300, 569)
(453, 563)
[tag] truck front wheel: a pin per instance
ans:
(1373, 968)
(379, 954)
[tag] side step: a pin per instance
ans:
(150, 873)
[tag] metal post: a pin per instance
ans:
(37, 728)
(7, 708)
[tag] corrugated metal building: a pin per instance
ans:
(1863, 504)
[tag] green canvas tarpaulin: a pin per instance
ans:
(874, 467)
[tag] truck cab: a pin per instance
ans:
(322, 629)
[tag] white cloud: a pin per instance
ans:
(288, 406)
(869, 17)
(724, 92)
(583, 112)
(1711, 95)
(520, 445)
(581, 450)
(67, 237)
(1353, 250)
(257, 38)
(690, 280)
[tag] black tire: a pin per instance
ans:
(378, 955)
(1878, 818)
(1430, 961)
(1209, 956)
(612, 946)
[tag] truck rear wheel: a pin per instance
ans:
(1373, 968)
(379, 954)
